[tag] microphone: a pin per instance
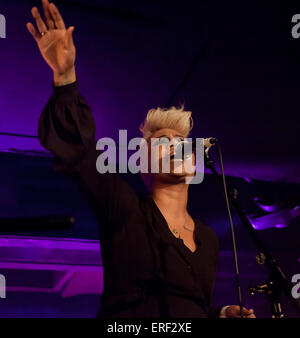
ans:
(183, 149)
(208, 143)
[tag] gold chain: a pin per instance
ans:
(176, 232)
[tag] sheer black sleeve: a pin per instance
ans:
(67, 129)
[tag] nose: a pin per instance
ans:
(172, 149)
(174, 141)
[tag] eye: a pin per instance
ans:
(178, 139)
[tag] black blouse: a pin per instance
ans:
(148, 272)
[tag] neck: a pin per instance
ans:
(171, 199)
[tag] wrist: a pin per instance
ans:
(62, 79)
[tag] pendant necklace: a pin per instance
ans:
(176, 232)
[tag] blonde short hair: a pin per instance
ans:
(172, 118)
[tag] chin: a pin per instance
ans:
(173, 177)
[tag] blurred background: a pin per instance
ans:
(234, 64)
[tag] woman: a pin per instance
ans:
(158, 260)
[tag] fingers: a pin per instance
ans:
(36, 35)
(245, 312)
(58, 20)
(39, 21)
(248, 313)
(47, 14)
(68, 39)
(233, 311)
(251, 316)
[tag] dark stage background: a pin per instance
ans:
(234, 64)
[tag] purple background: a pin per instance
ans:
(131, 56)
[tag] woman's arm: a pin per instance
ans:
(66, 126)
(67, 129)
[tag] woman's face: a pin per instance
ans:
(161, 146)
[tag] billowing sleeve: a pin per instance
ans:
(67, 129)
(66, 126)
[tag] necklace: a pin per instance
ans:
(176, 232)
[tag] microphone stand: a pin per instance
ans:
(278, 281)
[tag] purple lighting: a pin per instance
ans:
(276, 218)
(268, 208)
(279, 219)
(74, 265)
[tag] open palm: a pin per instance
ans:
(55, 42)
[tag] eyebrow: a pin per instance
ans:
(169, 137)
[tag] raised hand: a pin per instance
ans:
(55, 42)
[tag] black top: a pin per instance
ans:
(148, 272)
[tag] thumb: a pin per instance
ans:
(68, 39)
